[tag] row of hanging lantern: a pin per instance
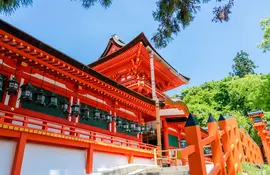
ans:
(27, 95)
(84, 112)
(130, 126)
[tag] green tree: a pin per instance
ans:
(243, 65)
(265, 26)
(172, 15)
(233, 96)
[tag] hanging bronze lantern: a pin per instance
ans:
(113, 118)
(40, 98)
(27, 92)
(126, 126)
(75, 108)
(152, 131)
(132, 126)
(108, 118)
(119, 122)
(53, 100)
(102, 116)
(12, 86)
(147, 128)
(96, 115)
(64, 106)
(85, 113)
(2, 81)
(138, 128)
(142, 128)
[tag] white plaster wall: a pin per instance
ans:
(7, 148)
(104, 161)
(49, 160)
(145, 161)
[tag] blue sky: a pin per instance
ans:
(204, 51)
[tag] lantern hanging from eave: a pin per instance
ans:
(142, 128)
(119, 122)
(27, 92)
(12, 86)
(85, 113)
(2, 81)
(40, 98)
(146, 128)
(126, 126)
(96, 114)
(75, 108)
(64, 106)
(108, 118)
(138, 128)
(152, 131)
(132, 126)
(53, 100)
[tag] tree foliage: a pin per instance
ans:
(232, 96)
(265, 26)
(242, 64)
(172, 15)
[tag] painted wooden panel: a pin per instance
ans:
(49, 160)
(7, 148)
(173, 140)
(104, 161)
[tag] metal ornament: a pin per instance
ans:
(64, 106)
(53, 100)
(75, 108)
(40, 98)
(27, 92)
(2, 81)
(12, 86)
(85, 113)
(96, 115)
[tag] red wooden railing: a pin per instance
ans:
(230, 146)
(16, 121)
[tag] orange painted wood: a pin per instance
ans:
(226, 141)
(217, 154)
(196, 159)
(19, 154)
(89, 159)
(130, 158)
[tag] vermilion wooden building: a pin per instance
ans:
(58, 115)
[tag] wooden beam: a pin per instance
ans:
(19, 154)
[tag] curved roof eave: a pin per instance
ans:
(141, 37)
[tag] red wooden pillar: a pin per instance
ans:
(19, 153)
(89, 159)
(217, 154)
(195, 160)
(226, 141)
(165, 136)
(130, 158)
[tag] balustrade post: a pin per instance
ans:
(226, 142)
(195, 160)
(217, 154)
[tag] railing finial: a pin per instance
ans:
(211, 119)
(191, 121)
(221, 117)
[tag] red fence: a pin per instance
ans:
(24, 123)
(230, 146)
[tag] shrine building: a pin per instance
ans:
(59, 115)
